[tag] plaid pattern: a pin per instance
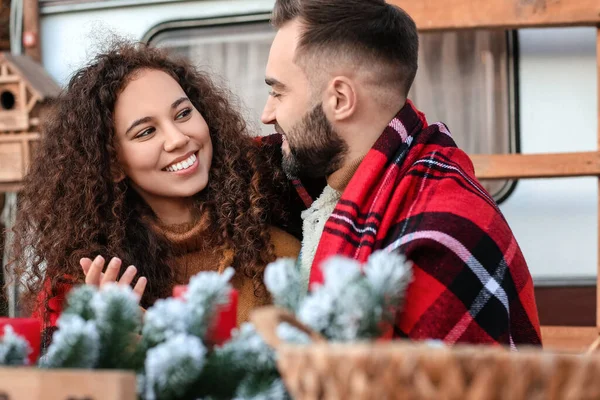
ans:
(415, 192)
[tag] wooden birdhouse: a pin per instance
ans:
(25, 91)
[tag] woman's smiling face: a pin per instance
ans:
(163, 142)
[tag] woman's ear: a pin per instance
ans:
(117, 173)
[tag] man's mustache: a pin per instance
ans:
(279, 130)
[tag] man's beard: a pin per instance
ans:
(316, 150)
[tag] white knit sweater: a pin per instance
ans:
(313, 222)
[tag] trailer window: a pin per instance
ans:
(465, 79)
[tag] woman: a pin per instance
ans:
(144, 159)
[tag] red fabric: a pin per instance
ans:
(48, 309)
(48, 315)
(416, 192)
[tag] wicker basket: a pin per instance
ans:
(406, 370)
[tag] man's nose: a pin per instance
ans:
(268, 114)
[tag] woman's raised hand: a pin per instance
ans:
(95, 276)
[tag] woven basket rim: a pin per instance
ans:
(411, 348)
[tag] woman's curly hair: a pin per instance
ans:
(71, 207)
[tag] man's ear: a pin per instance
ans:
(341, 98)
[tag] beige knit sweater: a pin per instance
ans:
(193, 256)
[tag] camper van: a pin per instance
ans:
(526, 91)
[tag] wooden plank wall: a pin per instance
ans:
(564, 305)
(432, 15)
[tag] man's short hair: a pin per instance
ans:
(285, 11)
(370, 31)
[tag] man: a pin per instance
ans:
(340, 72)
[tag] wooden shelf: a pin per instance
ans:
(520, 166)
(576, 339)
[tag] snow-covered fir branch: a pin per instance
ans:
(353, 300)
(79, 302)
(282, 279)
(206, 292)
(76, 344)
(167, 317)
(172, 367)
(14, 349)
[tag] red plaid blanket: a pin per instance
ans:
(416, 192)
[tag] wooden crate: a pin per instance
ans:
(37, 384)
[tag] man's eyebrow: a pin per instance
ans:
(274, 83)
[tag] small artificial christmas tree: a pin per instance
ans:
(355, 301)
(170, 351)
(14, 349)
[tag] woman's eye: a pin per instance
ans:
(274, 94)
(145, 133)
(183, 113)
